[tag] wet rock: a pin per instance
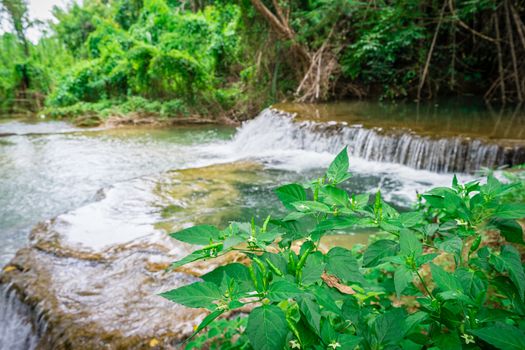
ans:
(92, 275)
(88, 121)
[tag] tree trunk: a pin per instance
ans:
(279, 23)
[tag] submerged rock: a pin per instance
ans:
(93, 275)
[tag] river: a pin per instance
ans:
(102, 182)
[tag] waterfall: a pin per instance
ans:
(16, 332)
(273, 130)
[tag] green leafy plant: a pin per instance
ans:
(431, 278)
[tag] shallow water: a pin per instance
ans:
(45, 171)
(462, 117)
(49, 168)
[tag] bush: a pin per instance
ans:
(83, 83)
(430, 280)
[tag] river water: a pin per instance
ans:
(49, 168)
(52, 168)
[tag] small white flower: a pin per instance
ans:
(468, 338)
(461, 222)
(222, 305)
(294, 344)
(334, 345)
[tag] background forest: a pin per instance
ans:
(228, 58)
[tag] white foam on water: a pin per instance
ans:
(122, 215)
(279, 142)
(275, 133)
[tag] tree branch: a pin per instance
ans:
(466, 26)
(430, 51)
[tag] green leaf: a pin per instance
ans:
(429, 229)
(454, 295)
(415, 319)
(510, 211)
(360, 201)
(311, 206)
(267, 329)
(351, 310)
(448, 341)
(313, 269)
(446, 281)
(294, 215)
(336, 223)
(328, 333)
(335, 196)
(348, 341)
(269, 236)
(453, 245)
(290, 193)
(513, 265)
(342, 264)
(206, 321)
(474, 283)
(502, 336)
(338, 170)
(196, 295)
(402, 277)
(390, 327)
(410, 219)
(196, 255)
(435, 201)
(312, 313)
(283, 290)
(453, 202)
(201, 235)
(510, 229)
(233, 241)
(326, 297)
(379, 250)
(423, 259)
(409, 243)
(490, 315)
(236, 272)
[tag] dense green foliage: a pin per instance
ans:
(222, 57)
(430, 278)
(150, 54)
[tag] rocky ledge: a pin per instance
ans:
(90, 278)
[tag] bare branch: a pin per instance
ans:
(466, 26)
(512, 51)
(430, 51)
(500, 59)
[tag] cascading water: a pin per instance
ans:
(16, 332)
(276, 130)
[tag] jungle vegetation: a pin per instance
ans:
(180, 57)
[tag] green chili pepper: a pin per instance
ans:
(274, 268)
(475, 244)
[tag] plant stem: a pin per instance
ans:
(424, 285)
